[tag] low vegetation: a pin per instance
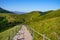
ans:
(47, 23)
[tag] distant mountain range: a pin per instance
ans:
(6, 11)
(17, 12)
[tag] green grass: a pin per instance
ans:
(48, 24)
(10, 32)
(49, 27)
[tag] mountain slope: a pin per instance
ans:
(4, 11)
(47, 23)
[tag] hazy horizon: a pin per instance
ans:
(30, 5)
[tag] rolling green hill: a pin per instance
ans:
(47, 23)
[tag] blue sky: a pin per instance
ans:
(30, 5)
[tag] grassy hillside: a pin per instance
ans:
(47, 23)
(52, 14)
(49, 27)
(8, 34)
(8, 21)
